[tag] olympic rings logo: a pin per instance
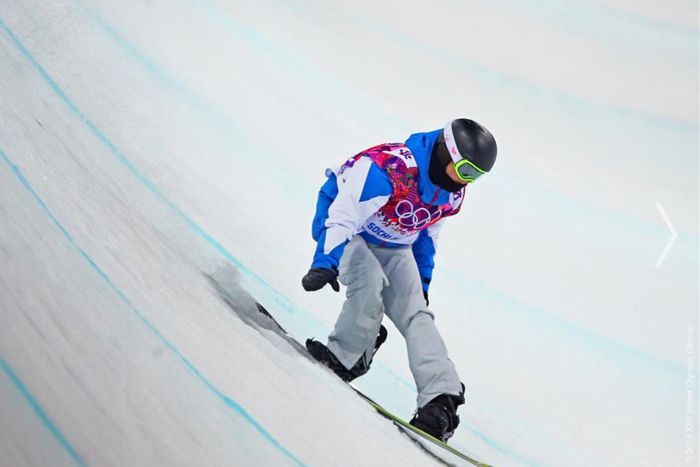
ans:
(411, 217)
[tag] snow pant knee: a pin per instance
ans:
(404, 320)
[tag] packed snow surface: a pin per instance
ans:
(157, 157)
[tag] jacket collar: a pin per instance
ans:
(421, 145)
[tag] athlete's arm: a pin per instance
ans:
(348, 198)
(424, 252)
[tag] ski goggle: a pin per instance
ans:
(466, 170)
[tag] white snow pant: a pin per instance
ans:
(386, 280)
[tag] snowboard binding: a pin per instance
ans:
(439, 417)
(323, 354)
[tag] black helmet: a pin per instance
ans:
(466, 144)
(466, 139)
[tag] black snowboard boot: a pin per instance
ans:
(321, 353)
(439, 416)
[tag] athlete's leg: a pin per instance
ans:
(405, 305)
(357, 326)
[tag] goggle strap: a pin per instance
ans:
(451, 143)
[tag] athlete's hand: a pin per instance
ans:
(425, 294)
(316, 278)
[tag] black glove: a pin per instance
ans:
(425, 294)
(316, 278)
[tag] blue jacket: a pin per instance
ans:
(355, 191)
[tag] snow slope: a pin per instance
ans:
(148, 146)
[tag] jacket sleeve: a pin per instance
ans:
(424, 252)
(348, 198)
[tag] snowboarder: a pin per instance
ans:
(377, 220)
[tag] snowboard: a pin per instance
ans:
(436, 448)
(226, 284)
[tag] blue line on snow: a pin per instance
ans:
(522, 86)
(227, 400)
(289, 59)
(38, 410)
(232, 129)
(588, 15)
(609, 348)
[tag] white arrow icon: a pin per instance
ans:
(674, 234)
